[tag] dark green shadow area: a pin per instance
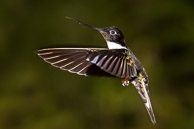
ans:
(35, 95)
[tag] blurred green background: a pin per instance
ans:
(35, 95)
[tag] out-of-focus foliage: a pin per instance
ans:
(35, 95)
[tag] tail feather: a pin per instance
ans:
(148, 104)
(142, 88)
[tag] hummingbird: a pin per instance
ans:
(115, 61)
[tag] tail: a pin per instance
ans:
(141, 85)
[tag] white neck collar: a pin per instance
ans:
(113, 45)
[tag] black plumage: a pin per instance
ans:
(81, 61)
(115, 61)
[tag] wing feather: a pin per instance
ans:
(101, 61)
(120, 68)
(112, 64)
(123, 75)
(70, 59)
(85, 60)
(107, 62)
(117, 66)
(127, 71)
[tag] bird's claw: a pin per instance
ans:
(125, 82)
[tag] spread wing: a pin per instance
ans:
(70, 59)
(91, 61)
(117, 62)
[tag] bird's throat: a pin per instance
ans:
(113, 45)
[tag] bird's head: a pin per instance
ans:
(113, 35)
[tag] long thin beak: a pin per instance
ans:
(81, 23)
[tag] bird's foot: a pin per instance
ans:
(125, 82)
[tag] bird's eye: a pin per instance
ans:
(112, 32)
